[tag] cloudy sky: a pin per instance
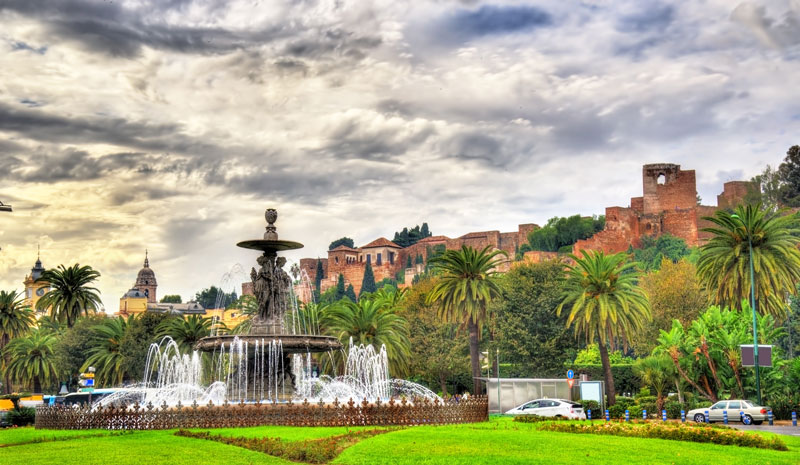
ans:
(170, 125)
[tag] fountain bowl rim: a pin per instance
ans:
(266, 245)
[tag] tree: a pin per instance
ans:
(171, 299)
(790, 175)
(350, 293)
(438, 357)
(70, 295)
(73, 345)
(675, 293)
(214, 297)
(467, 283)
(408, 261)
(142, 331)
(318, 275)
(724, 264)
(31, 359)
(658, 373)
(604, 303)
(368, 282)
(529, 333)
(370, 322)
(340, 289)
(345, 241)
(769, 191)
(106, 352)
(559, 234)
(408, 237)
(15, 320)
(186, 332)
(654, 250)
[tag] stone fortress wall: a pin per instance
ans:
(668, 205)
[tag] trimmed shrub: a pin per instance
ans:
(22, 416)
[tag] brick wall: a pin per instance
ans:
(679, 189)
(734, 192)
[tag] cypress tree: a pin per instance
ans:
(408, 261)
(350, 293)
(318, 275)
(340, 291)
(368, 283)
(425, 232)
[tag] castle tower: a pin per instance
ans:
(35, 290)
(146, 281)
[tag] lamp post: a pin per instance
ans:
(753, 307)
(5, 207)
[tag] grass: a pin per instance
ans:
(13, 436)
(499, 441)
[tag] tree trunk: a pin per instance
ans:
(707, 394)
(711, 366)
(443, 383)
(37, 386)
(493, 354)
(7, 378)
(474, 356)
(609, 378)
(678, 389)
(711, 394)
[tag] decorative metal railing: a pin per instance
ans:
(137, 417)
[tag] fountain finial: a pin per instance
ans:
(272, 233)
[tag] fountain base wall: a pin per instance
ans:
(136, 417)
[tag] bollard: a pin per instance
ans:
(644, 414)
(725, 416)
(589, 414)
(663, 415)
(771, 419)
(627, 416)
(708, 420)
(607, 417)
(683, 416)
(741, 416)
(794, 418)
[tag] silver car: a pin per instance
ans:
(746, 411)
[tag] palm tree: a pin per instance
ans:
(724, 264)
(31, 359)
(370, 322)
(672, 344)
(605, 303)
(106, 352)
(15, 320)
(467, 283)
(186, 332)
(658, 373)
(70, 294)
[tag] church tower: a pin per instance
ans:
(35, 290)
(146, 281)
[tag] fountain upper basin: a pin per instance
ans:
(291, 343)
(267, 245)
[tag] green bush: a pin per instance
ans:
(592, 405)
(673, 409)
(674, 431)
(22, 416)
(783, 405)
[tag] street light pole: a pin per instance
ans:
(753, 307)
(755, 319)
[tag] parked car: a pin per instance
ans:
(752, 413)
(550, 408)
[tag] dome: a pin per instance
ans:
(146, 276)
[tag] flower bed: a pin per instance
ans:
(673, 431)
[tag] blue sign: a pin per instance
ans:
(570, 374)
(89, 383)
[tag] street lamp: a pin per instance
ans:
(5, 207)
(753, 307)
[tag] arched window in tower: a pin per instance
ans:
(147, 293)
(661, 179)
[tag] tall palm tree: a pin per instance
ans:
(15, 320)
(31, 359)
(370, 322)
(106, 352)
(724, 264)
(186, 332)
(70, 295)
(467, 283)
(605, 304)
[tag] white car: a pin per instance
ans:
(550, 408)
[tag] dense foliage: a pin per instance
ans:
(653, 251)
(559, 234)
(70, 294)
(408, 237)
(345, 241)
(171, 299)
(214, 297)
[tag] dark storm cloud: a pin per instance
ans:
(41, 126)
(108, 28)
(19, 45)
(771, 32)
(491, 20)
(363, 139)
(67, 165)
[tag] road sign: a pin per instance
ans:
(764, 355)
(570, 382)
(570, 374)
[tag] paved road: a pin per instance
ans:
(788, 430)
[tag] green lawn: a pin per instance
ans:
(499, 441)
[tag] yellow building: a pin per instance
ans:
(229, 317)
(34, 290)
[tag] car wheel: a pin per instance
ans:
(747, 420)
(699, 418)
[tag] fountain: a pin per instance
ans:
(265, 371)
(268, 347)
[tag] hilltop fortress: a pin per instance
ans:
(669, 204)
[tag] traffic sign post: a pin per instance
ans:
(570, 378)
